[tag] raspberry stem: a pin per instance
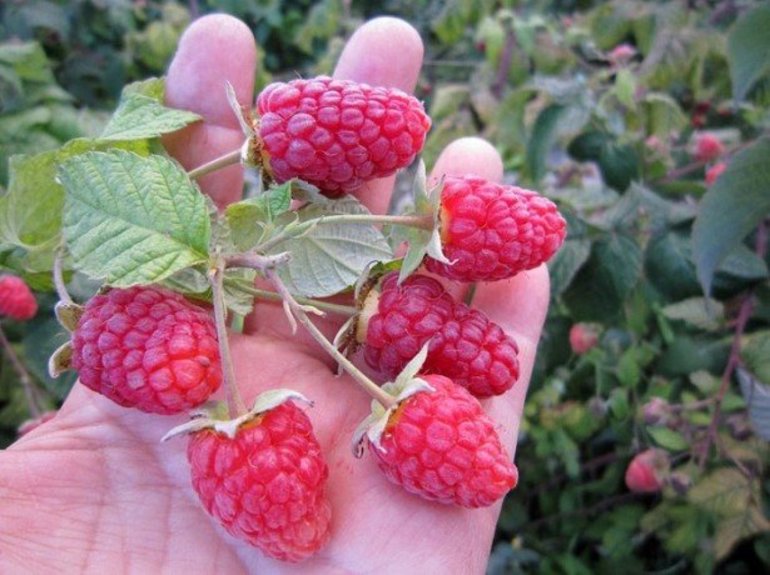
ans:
(223, 161)
(419, 222)
(58, 280)
(299, 312)
(30, 393)
(339, 309)
(235, 405)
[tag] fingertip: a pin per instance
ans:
(384, 51)
(469, 155)
(214, 49)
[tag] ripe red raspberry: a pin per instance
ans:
(265, 485)
(647, 470)
(16, 299)
(707, 147)
(337, 134)
(147, 348)
(493, 231)
(713, 173)
(396, 321)
(582, 338)
(441, 445)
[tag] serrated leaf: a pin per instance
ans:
(31, 210)
(703, 313)
(328, 258)
(757, 397)
(132, 220)
(248, 218)
(731, 208)
(725, 492)
(748, 50)
(668, 438)
(732, 530)
(567, 262)
(139, 116)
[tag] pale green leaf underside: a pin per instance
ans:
(132, 220)
(331, 257)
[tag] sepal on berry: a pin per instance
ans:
(60, 360)
(404, 386)
(68, 314)
(214, 415)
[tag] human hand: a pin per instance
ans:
(94, 488)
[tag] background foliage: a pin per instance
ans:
(599, 105)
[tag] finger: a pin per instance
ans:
(383, 52)
(214, 50)
(519, 305)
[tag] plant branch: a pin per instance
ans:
(299, 312)
(235, 404)
(339, 309)
(30, 393)
(227, 159)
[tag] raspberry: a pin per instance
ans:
(707, 147)
(713, 173)
(493, 231)
(582, 338)
(265, 485)
(441, 446)
(464, 345)
(16, 299)
(645, 473)
(147, 348)
(337, 134)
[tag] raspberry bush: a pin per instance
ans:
(640, 126)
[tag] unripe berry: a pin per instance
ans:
(707, 147)
(583, 337)
(647, 471)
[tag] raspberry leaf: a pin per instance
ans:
(141, 114)
(131, 220)
(31, 210)
(328, 258)
(253, 219)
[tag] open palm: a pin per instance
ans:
(94, 489)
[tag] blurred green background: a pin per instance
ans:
(601, 106)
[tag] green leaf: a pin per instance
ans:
(668, 438)
(250, 219)
(130, 219)
(619, 165)
(543, 136)
(704, 313)
(731, 208)
(328, 258)
(748, 50)
(587, 146)
(141, 116)
(31, 211)
(732, 530)
(567, 262)
(757, 397)
(725, 492)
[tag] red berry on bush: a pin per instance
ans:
(583, 337)
(493, 231)
(148, 348)
(441, 446)
(647, 471)
(16, 299)
(338, 134)
(707, 147)
(398, 320)
(266, 484)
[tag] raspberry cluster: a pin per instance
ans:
(261, 473)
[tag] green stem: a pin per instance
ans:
(235, 404)
(419, 222)
(369, 386)
(58, 280)
(30, 393)
(227, 159)
(346, 310)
